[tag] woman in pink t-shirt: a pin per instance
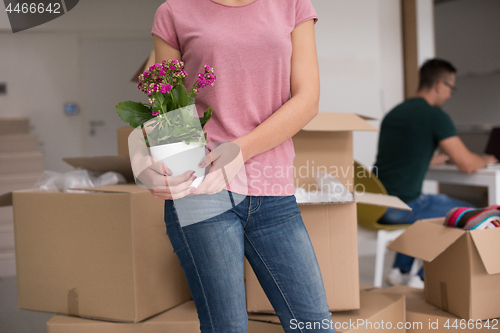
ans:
(267, 88)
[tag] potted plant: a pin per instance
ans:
(172, 129)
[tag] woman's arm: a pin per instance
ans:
(164, 51)
(303, 104)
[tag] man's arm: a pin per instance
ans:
(439, 159)
(465, 160)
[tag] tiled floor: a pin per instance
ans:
(15, 320)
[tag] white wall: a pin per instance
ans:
(426, 46)
(468, 35)
(360, 57)
(87, 57)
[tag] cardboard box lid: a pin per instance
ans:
(120, 164)
(374, 199)
(426, 239)
(488, 245)
(383, 200)
(150, 61)
(336, 122)
(6, 198)
(124, 188)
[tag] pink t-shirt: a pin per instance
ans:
(250, 49)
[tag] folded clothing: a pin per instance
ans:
(474, 219)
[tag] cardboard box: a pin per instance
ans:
(379, 312)
(102, 254)
(123, 133)
(24, 162)
(181, 319)
(24, 142)
(326, 144)
(422, 316)
(14, 125)
(461, 268)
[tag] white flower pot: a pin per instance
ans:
(180, 157)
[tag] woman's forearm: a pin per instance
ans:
(280, 126)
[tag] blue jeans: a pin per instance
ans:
(269, 232)
(426, 206)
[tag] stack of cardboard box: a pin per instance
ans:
(104, 254)
(21, 164)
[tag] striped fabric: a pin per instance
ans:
(474, 219)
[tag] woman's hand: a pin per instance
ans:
(158, 180)
(227, 161)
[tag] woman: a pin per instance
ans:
(267, 88)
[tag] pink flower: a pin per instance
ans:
(155, 113)
(165, 88)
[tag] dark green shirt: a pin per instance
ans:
(409, 135)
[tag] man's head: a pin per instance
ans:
(437, 78)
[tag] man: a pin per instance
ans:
(409, 136)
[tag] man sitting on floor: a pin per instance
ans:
(409, 136)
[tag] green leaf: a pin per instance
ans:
(206, 117)
(175, 98)
(183, 95)
(133, 113)
(191, 100)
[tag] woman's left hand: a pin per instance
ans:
(227, 161)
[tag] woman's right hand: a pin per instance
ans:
(158, 180)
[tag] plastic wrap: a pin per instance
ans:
(51, 181)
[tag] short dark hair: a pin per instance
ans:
(434, 70)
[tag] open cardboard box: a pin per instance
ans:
(101, 254)
(379, 312)
(461, 268)
(326, 143)
(422, 316)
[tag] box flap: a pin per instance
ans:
(332, 122)
(145, 65)
(488, 245)
(120, 164)
(366, 117)
(6, 199)
(426, 239)
(125, 188)
(377, 199)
